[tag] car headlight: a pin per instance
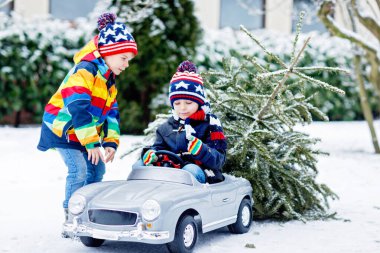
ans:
(150, 210)
(77, 203)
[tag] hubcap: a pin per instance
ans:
(245, 216)
(188, 235)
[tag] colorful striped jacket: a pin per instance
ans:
(83, 113)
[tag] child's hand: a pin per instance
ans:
(109, 153)
(189, 131)
(149, 157)
(195, 145)
(94, 155)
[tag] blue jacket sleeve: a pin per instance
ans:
(213, 151)
(159, 143)
(211, 158)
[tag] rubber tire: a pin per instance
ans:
(238, 227)
(91, 242)
(178, 245)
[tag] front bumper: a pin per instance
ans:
(136, 235)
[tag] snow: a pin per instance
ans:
(32, 187)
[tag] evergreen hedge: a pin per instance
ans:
(35, 55)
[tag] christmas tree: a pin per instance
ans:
(259, 108)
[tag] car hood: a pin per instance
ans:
(135, 193)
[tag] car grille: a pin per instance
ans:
(111, 217)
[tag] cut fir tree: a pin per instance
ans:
(259, 108)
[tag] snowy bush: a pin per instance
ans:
(35, 55)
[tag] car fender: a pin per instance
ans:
(195, 207)
(244, 192)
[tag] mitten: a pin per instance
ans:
(149, 157)
(195, 145)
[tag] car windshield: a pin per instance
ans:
(161, 174)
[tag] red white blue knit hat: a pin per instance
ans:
(187, 84)
(114, 37)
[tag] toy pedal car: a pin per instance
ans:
(158, 205)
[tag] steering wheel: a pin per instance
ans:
(168, 159)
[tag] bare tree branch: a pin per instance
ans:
(367, 21)
(378, 3)
(366, 108)
(324, 14)
(5, 3)
(374, 12)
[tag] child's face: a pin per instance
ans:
(118, 62)
(185, 108)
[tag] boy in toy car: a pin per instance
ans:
(192, 131)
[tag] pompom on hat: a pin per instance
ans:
(114, 37)
(187, 84)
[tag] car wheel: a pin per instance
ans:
(91, 242)
(244, 218)
(186, 235)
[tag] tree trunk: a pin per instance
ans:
(366, 108)
(145, 106)
(17, 119)
(364, 104)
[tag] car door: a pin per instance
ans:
(223, 198)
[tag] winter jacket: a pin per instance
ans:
(83, 113)
(213, 152)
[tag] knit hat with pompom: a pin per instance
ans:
(114, 37)
(187, 84)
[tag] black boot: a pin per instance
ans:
(64, 234)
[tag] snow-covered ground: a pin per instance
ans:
(32, 187)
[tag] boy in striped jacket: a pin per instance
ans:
(192, 131)
(82, 116)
